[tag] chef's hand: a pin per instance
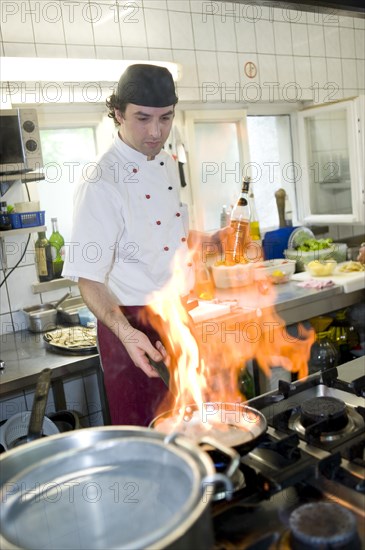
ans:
(223, 234)
(361, 256)
(204, 243)
(139, 346)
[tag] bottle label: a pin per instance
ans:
(58, 254)
(41, 261)
(237, 242)
(54, 253)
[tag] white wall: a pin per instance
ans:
(299, 56)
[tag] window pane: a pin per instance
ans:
(217, 153)
(329, 164)
(65, 154)
(272, 164)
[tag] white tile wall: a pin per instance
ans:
(208, 28)
(157, 28)
(211, 40)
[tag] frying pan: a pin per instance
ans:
(233, 424)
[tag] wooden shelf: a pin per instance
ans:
(22, 231)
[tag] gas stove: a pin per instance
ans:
(302, 487)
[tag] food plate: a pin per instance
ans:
(75, 339)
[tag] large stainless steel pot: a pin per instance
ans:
(109, 487)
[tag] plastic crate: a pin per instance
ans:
(27, 219)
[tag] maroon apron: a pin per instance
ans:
(133, 397)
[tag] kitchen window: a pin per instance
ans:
(225, 146)
(66, 154)
(271, 164)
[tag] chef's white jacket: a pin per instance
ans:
(129, 227)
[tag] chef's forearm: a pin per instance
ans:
(98, 299)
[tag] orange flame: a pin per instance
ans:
(206, 358)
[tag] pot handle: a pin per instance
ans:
(219, 479)
(231, 453)
(215, 479)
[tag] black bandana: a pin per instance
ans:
(147, 85)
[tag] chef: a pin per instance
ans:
(128, 228)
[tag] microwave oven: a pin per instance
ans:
(20, 144)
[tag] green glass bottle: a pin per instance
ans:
(43, 258)
(344, 336)
(323, 355)
(58, 249)
(246, 385)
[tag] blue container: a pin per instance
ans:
(275, 242)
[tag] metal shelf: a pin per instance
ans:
(22, 231)
(55, 284)
(7, 180)
(24, 177)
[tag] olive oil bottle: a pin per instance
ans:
(57, 247)
(43, 258)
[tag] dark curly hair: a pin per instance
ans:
(113, 103)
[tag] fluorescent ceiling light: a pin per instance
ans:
(44, 69)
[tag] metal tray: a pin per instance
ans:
(69, 310)
(75, 340)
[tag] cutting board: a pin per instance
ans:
(208, 310)
(349, 281)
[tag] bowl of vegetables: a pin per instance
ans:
(310, 249)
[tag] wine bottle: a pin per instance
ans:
(43, 258)
(240, 221)
(57, 243)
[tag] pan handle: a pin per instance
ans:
(39, 405)
(162, 370)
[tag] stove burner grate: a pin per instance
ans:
(330, 411)
(321, 419)
(323, 525)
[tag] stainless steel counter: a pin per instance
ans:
(25, 354)
(294, 303)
